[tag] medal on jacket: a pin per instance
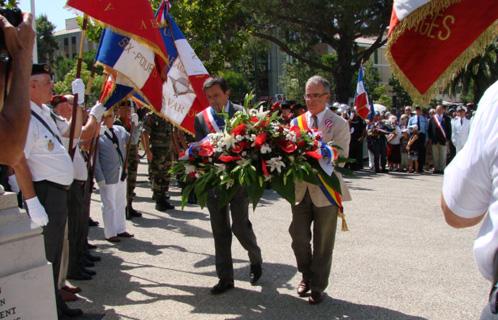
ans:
(50, 145)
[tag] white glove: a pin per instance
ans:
(98, 111)
(13, 183)
(134, 119)
(79, 88)
(37, 212)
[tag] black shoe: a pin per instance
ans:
(316, 297)
(88, 271)
(71, 313)
(92, 223)
(133, 213)
(222, 286)
(256, 272)
(87, 263)
(80, 276)
(91, 246)
(163, 205)
(91, 257)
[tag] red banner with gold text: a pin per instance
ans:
(426, 56)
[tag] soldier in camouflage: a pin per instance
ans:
(158, 145)
(125, 112)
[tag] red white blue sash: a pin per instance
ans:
(208, 114)
(436, 119)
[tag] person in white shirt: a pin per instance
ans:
(48, 165)
(470, 190)
(460, 127)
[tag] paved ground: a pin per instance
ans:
(399, 261)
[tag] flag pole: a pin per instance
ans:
(78, 75)
(35, 46)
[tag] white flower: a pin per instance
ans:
(244, 162)
(291, 136)
(244, 153)
(276, 163)
(220, 167)
(228, 140)
(189, 168)
(265, 148)
(260, 114)
(239, 137)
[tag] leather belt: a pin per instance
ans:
(53, 184)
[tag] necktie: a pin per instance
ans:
(315, 122)
(418, 123)
(461, 121)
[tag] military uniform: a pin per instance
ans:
(160, 140)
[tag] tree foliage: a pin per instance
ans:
(477, 76)
(47, 45)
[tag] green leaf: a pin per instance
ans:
(254, 192)
(286, 191)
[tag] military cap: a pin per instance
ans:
(40, 68)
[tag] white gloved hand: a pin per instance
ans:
(98, 111)
(134, 119)
(79, 88)
(37, 212)
(13, 184)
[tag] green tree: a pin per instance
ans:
(304, 30)
(477, 76)
(237, 83)
(402, 97)
(47, 45)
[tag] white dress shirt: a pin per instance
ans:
(319, 116)
(79, 163)
(46, 156)
(470, 186)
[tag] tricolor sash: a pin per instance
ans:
(439, 126)
(208, 114)
(332, 195)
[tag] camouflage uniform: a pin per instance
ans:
(160, 136)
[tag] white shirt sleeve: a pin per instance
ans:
(468, 180)
(30, 139)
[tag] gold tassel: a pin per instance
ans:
(344, 225)
(475, 49)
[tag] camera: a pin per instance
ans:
(14, 16)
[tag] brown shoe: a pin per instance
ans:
(303, 288)
(68, 296)
(125, 235)
(316, 297)
(71, 289)
(113, 239)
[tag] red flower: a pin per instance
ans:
(264, 168)
(244, 145)
(287, 146)
(254, 119)
(239, 130)
(260, 140)
(237, 148)
(296, 130)
(206, 150)
(314, 155)
(226, 159)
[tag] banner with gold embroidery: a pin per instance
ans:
(133, 18)
(429, 41)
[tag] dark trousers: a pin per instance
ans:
(77, 220)
(54, 200)
(356, 154)
(421, 152)
(378, 147)
(314, 264)
(222, 232)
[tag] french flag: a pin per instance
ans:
(361, 99)
(183, 96)
(115, 89)
(133, 63)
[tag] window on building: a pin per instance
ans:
(66, 41)
(73, 40)
(376, 57)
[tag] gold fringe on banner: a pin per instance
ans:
(474, 50)
(431, 8)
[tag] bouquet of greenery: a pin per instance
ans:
(254, 151)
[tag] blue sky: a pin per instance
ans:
(54, 9)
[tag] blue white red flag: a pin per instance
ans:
(183, 96)
(361, 103)
(115, 89)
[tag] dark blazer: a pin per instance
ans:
(201, 127)
(435, 133)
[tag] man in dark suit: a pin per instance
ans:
(211, 120)
(439, 134)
